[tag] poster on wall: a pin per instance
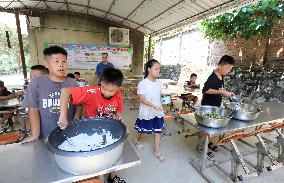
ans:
(87, 56)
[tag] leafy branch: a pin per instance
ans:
(256, 19)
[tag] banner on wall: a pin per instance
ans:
(87, 56)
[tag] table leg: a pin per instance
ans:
(205, 150)
(201, 168)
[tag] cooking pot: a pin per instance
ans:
(211, 122)
(245, 112)
(87, 162)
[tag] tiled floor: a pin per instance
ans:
(178, 152)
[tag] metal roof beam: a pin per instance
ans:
(126, 18)
(7, 10)
(160, 13)
(66, 2)
(29, 11)
(9, 4)
(108, 11)
(91, 11)
(194, 2)
(61, 6)
(97, 9)
(22, 3)
(46, 4)
(88, 6)
(37, 4)
(72, 9)
(230, 5)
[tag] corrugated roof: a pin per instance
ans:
(148, 16)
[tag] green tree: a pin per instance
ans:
(255, 19)
(10, 57)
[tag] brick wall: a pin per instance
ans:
(248, 73)
(249, 55)
(252, 51)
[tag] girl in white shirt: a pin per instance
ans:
(150, 118)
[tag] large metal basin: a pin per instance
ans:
(87, 162)
(245, 112)
(212, 122)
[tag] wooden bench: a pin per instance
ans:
(90, 180)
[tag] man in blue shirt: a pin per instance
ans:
(101, 66)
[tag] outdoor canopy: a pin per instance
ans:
(148, 16)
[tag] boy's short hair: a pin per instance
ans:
(71, 75)
(112, 76)
(78, 73)
(226, 59)
(40, 68)
(193, 74)
(105, 53)
(53, 50)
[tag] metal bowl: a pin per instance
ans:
(87, 162)
(245, 112)
(212, 122)
(235, 98)
(231, 105)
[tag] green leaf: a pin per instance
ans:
(248, 21)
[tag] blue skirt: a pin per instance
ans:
(155, 125)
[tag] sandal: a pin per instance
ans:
(210, 154)
(138, 144)
(212, 147)
(2, 127)
(115, 178)
(161, 158)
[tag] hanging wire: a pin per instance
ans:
(8, 39)
(7, 33)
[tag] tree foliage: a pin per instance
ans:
(10, 57)
(255, 19)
